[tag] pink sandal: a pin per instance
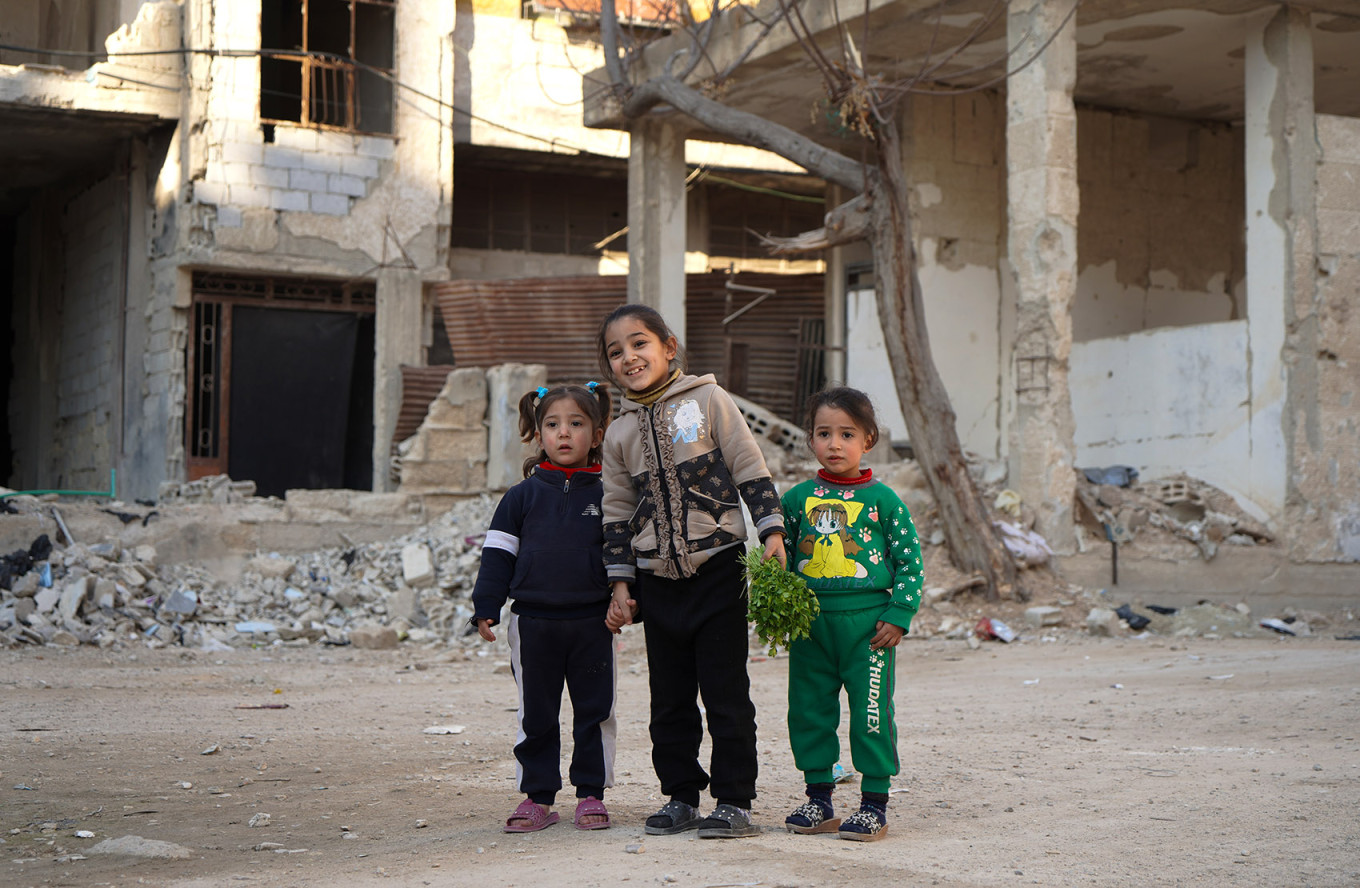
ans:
(536, 817)
(591, 807)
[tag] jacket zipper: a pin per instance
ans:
(665, 490)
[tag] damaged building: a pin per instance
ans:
(226, 227)
(1141, 249)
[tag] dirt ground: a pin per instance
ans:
(1072, 761)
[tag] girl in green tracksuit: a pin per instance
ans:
(853, 540)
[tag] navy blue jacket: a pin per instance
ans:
(545, 549)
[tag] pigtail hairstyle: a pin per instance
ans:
(593, 400)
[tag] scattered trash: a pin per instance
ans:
(262, 706)
(1008, 501)
(841, 774)
(1115, 476)
(1220, 677)
(991, 628)
(1158, 609)
(1029, 548)
(1279, 626)
(1136, 621)
(210, 750)
(84, 834)
(255, 626)
(444, 729)
(1030, 681)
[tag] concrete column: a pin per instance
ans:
(1042, 193)
(1281, 205)
(656, 220)
(834, 336)
(396, 341)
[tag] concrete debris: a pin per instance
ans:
(415, 587)
(136, 846)
(212, 489)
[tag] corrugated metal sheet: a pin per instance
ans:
(419, 386)
(555, 321)
(552, 321)
(770, 332)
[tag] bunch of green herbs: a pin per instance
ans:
(779, 602)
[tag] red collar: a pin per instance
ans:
(595, 469)
(865, 476)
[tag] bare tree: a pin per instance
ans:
(866, 103)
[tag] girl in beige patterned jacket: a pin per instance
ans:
(675, 463)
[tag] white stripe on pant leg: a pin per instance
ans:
(609, 728)
(517, 667)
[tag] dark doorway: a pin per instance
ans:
(7, 244)
(281, 382)
(293, 395)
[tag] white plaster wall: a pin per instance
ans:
(952, 156)
(1167, 401)
(522, 81)
(961, 315)
(1160, 236)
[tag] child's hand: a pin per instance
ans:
(484, 629)
(622, 609)
(774, 548)
(887, 636)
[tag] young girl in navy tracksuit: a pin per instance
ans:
(544, 550)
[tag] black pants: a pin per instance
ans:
(545, 654)
(696, 646)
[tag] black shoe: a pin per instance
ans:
(674, 817)
(728, 822)
(812, 818)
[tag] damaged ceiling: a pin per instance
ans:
(44, 146)
(1163, 57)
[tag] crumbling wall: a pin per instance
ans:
(93, 226)
(1323, 507)
(1169, 401)
(953, 151)
(1160, 240)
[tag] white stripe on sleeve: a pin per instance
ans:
(499, 539)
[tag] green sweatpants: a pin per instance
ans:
(836, 655)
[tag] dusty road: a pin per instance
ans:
(1072, 762)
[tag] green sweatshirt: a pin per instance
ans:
(855, 544)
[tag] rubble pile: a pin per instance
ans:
(416, 586)
(1179, 510)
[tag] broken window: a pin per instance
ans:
(739, 215)
(537, 211)
(328, 63)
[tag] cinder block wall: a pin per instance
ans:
(92, 229)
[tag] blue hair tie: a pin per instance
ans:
(542, 390)
(592, 385)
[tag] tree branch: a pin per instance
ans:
(849, 222)
(745, 129)
(609, 36)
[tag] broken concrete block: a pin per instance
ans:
(417, 568)
(105, 593)
(1102, 621)
(271, 566)
(145, 554)
(374, 638)
(506, 384)
(131, 576)
(23, 609)
(182, 602)
(462, 402)
(73, 596)
(1043, 616)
